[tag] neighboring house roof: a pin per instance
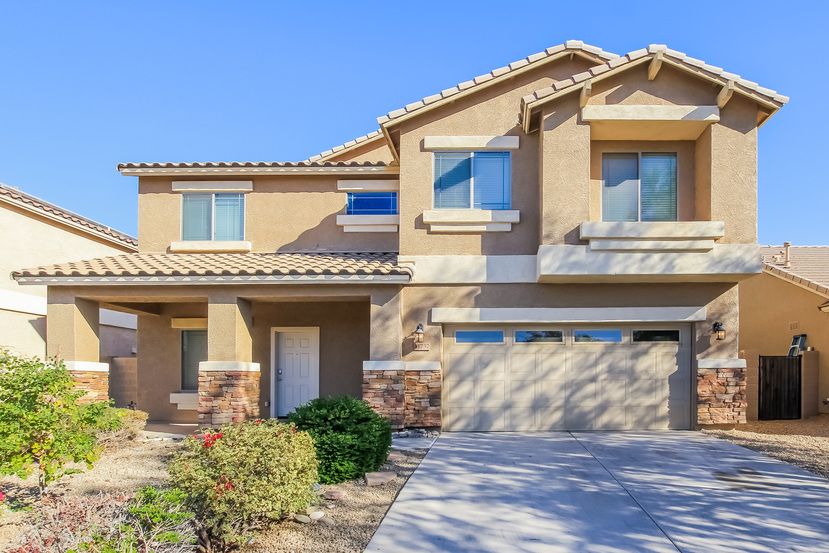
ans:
(496, 75)
(252, 167)
(373, 136)
(766, 96)
(258, 266)
(33, 204)
(808, 267)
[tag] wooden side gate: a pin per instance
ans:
(779, 388)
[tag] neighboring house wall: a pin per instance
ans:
(30, 240)
(772, 311)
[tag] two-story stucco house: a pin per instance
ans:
(555, 244)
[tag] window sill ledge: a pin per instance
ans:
(185, 401)
(691, 236)
(470, 220)
(368, 223)
(211, 246)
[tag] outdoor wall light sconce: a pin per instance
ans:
(419, 344)
(718, 330)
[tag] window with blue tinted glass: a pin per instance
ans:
(372, 203)
(479, 336)
(479, 180)
(597, 336)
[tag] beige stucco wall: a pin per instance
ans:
(283, 213)
(344, 345)
(489, 112)
(375, 150)
(23, 333)
(721, 162)
(772, 311)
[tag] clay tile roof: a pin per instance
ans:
(809, 265)
(245, 164)
(574, 46)
(374, 135)
(140, 267)
(34, 204)
(677, 58)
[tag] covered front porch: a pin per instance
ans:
(234, 341)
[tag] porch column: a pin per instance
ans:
(383, 373)
(228, 380)
(72, 334)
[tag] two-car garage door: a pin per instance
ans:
(567, 378)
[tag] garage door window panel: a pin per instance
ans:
(539, 337)
(597, 336)
(641, 336)
(479, 336)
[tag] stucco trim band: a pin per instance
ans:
(711, 230)
(431, 143)
(711, 363)
(87, 366)
(228, 366)
(211, 246)
(362, 185)
(724, 263)
(423, 365)
(470, 220)
(630, 112)
(456, 315)
(471, 269)
(212, 186)
(368, 223)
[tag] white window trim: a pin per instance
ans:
(638, 187)
(213, 219)
(471, 154)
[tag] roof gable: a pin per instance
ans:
(571, 47)
(360, 141)
(808, 266)
(766, 97)
(27, 202)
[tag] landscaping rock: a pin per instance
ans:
(396, 456)
(328, 521)
(316, 515)
(379, 478)
(302, 519)
(333, 495)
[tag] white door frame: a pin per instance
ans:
(275, 330)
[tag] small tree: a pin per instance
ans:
(42, 425)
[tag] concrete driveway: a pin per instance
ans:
(604, 492)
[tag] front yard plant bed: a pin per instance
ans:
(804, 443)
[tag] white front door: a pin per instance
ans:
(295, 368)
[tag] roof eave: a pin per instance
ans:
(256, 171)
(209, 280)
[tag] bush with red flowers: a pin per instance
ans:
(241, 477)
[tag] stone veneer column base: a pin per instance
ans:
(721, 395)
(408, 394)
(228, 392)
(383, 389)
(90, 377)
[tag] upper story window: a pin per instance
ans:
(219, 216)
(372, 203)
(639, 187)
(472, 180)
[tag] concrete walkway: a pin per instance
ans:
(604, 492)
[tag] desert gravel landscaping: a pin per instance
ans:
(349, 522)
(804, 443)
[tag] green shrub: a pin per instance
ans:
(244, 476)
(350, 438)
(42, 425)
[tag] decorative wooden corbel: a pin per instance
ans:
(725, 94)
(586, 91)
(655, 65)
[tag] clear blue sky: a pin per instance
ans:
(85, 85)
